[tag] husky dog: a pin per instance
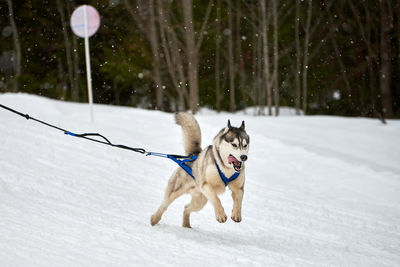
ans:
(225, 157)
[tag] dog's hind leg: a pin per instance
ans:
(177, 186)
(197, 203)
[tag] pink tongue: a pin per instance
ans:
(233, 159)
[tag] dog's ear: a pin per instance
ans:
(242, 126)
(228, 127)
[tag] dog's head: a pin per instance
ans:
(233, 146)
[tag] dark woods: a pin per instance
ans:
(337, 57)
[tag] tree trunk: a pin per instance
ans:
(231, 61)
(67, 44)
(76, 68)
(117, 92)
(261, 92)
(75, 58)
(17, 46)
(155, 49)
(365, 31)
(254, 73)
(298, 58)
(276, 56)
(240, 60)
(61, 84)
(147, 25)
(256, 67)
(339, 56)
(217, 58)
(192, 55)
(168, 59)
(171, 47)
(305, 55)
(385, 58)
(264, 33)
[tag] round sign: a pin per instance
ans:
(85, 15)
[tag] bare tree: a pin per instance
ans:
(61, 84)
(17, 46)
(144, 17)
(337, 51)
(155, 48)
(75, 53)
(218, 57)
(264, 34)
(261, 79)
(192, 54)
(298, 58)
(385, 57)
(239, 54)
(366, 32)
(192, 49)
(276, 56)
(182, 53)
(172, 47)
(231, 59)
(305, 55)
(67, 44)
(256, 64)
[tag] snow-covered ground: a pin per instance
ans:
(320, 191)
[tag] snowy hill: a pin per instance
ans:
(319, 191)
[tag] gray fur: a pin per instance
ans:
(191, 132)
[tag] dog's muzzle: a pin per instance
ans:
(237, 165)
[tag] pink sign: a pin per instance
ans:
(78, 21)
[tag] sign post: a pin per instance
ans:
(85, 21)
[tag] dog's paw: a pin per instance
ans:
(236, 217)
(186, 225)
(221, 217)
(155, 219)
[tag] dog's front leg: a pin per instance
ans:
(237, 196)
(209, 192)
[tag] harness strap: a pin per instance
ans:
(182, 163)
(182, 160)
(178, 159)
(84, 135)
(223, 177)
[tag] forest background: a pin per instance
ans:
(337, 57)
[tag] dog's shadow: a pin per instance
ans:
(227, 237)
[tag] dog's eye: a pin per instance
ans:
(234, 145)
(245, 146)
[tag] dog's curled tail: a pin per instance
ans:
(191, 132)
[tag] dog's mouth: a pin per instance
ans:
(237, 165)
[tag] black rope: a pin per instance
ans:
(84, 135)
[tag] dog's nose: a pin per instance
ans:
(243, 157)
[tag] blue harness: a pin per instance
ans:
(181, 161)
(223, 177)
